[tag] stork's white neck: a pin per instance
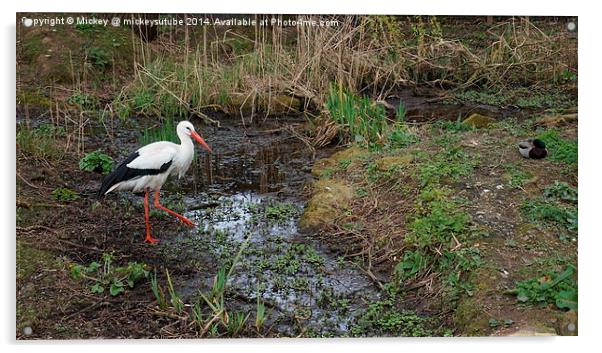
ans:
(186, 151)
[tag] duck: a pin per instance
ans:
(533, 148)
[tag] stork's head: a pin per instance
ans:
(186, 128)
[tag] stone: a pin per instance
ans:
(566, 324)
(281, 104)
(328, 198)
(393, 162)
(478, 121)
(352, 154)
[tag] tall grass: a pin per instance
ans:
(166, 131)
(241, 72)
(362, 119)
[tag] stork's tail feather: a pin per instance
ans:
(118, 175)
(107, 183)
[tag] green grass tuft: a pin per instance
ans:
(559, 149)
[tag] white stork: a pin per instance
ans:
(147, 170)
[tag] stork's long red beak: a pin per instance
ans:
(200, 140)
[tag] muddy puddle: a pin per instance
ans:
(420, 109)
(247, 198)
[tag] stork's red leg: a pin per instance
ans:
(149, 238)
(161, 207)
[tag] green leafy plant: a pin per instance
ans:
(281, 211)
(64, 194)
(400, 137)
(82, 100)
(383, 317)
(551, 288)
(412, 263)
(561, 191)
(96, 161)
(98, 57)
(560, 149)
(551, 214)
(105, 276)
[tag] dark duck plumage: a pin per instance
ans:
(533, 148)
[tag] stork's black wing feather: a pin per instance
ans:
(124, 173)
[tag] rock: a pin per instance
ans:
(478, 121)
(328, 198)
(566, 324)
(394, 162)
(281, 104)
(469, 318)
(240, 104)
(556, 120)
(352, 154)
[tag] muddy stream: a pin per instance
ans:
(247, 198)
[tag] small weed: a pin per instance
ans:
(175, 299)
(83, 101)
(327, 173)
(158, 292)
(361, 192)
(400, 137)
(260, 316)
(384, 318)
(516, 176)
(551, 214)
(96, 161)
(400, 112)
(105, 276)
(344, 163)
(98, 57)
(552, 288)
(561, 191)
(412, 263)
(281, 211)
(236, 323)
(64, 195)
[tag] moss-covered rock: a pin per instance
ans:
(393, 162)
(470, 318)
(240, 104)
(478, 121)
(352, 155)
(281, 104)
(566, 324)
(328, 198)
